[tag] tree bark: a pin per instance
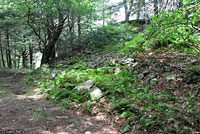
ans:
(138, 8)
(51, 44)
(52, 32)
(8, 50)
(31, 55)
(127, 9)
(79, 28)
(15, 58)
(18, 62)
(24, 58)
(1, 50)
(155, 7)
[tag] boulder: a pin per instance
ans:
(128, 61)
(117, 70)
(141, 76)
(88, 132)
(170, 78)
(151, 76)
(96, 93)
(193, 61)
(86, 85)
(146, 72)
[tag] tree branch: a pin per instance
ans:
(32, 27)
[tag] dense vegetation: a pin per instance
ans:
(146, 66)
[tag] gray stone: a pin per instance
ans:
(170, 78)
(88, 132)
(74, 123)
(193, 61)
(151, 75)
(117, 70)
(92, 65)
(130, 69)
(96, 93)
(141, 76)
(86, 85)
(128, 61)
(62, 117)
(146, 72)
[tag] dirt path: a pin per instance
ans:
(21, 111)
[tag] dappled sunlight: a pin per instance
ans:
(32, 94)
(33, 97)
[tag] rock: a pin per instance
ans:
(72, 126)
(88, 132)
(130, 69)
(145, 72)
(128, 61)
(92, 65)
(74, 123)
(192, 61)
(112, 62)
(117, 70)
(86, 85)
(154, 81)
(151, 75)
(96, 93)
(170, 78)
(62, 117)
(141, 76)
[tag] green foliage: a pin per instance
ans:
(135, 44)
(110, 35)
(149, 109)
(178, 29)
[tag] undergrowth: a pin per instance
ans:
(141, 106)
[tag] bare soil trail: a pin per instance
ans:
(23, 111)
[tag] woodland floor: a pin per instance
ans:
(21, 111)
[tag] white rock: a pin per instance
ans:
(86, 85)
(96, 93)
(88, 132)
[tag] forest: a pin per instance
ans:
(135, 64)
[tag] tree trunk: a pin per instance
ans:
(155, 7)
(79, 28)
(47, 52)
(1, 50)
(103, 13)
(8, 50)
(31, 55)
(18, 62)
(180, 4)
(24, 59)
(15, 58)
(71, 28)
(126, 10)
(138, 8)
